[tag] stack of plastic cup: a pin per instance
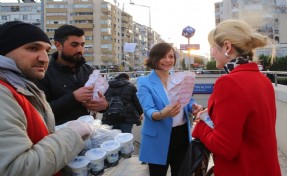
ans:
(112, 148)
(126, 141)
(97, 160)
(79, 166)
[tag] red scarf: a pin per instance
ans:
(36, 128)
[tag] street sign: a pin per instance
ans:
(188, 32)
(203, 88)
(189, 46)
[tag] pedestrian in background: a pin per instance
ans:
(66, 76)
(29, 145)
(121, 86)
(166, 130)
(242, 106)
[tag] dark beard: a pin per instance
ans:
(72, 59)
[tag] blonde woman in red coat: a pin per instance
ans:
(242, 106)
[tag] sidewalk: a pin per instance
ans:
(283, 163)
(132, 166)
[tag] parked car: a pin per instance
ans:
(199, 71)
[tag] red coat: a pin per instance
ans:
(243, 141)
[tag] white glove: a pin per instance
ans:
(83, 129)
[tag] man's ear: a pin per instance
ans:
(58, 46)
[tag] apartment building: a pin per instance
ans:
(74, 12)
(266, 16)
(27, 12)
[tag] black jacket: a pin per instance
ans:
(128, 93)
(59, 83)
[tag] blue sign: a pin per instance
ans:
(189, 46)
(188, 32)
(203, 88)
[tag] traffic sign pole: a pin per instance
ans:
(187, 32)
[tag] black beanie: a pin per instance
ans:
(14, 34)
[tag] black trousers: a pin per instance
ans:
(178, 146)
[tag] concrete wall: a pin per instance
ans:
(281, 122)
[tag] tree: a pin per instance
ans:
(198, 59)
(211, 65)
(280, 63)
(183, 64)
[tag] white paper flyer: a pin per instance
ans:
(180, 87)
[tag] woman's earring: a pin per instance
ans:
(225, 54)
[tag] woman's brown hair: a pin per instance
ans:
(157, 52)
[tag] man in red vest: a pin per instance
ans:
(29, 144)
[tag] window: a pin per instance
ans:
(108, 30)
(88, 54)
(106, 46)
(5, 9)
(57, 6)
(14, 8)
(106, 38)
(56, 14)
(55, 22)
(106, 5)
(82, 6)
(50, 30)
(89, 37)
(4, 17)
(25, 17)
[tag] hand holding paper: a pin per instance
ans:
(180, 87)
(99, 83)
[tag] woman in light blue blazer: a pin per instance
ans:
(166, 128)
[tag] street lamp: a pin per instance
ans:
(149, 22)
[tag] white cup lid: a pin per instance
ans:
(95, 154)
(124, 137)
(78, 162)
(110, 145)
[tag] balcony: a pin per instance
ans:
(83, 17)
(56, 10)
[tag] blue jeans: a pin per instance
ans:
(125, 127)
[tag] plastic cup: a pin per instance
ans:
(97, 160)
(78, 166)
(125, 139)
(112, 148)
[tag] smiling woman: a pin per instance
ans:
(166, 124)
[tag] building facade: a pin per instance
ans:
(27, 12)
(266, 16)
